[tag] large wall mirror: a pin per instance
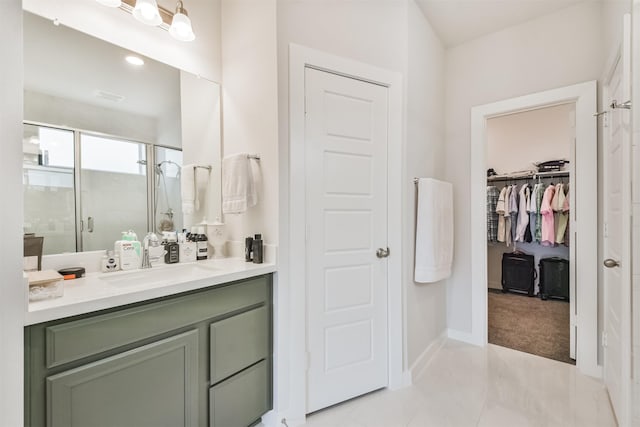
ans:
(104, 134)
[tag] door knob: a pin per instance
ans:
(610, 263)
(382, 253)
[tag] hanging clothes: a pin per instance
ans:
(565, 210)
(539, 196)
(500, 210)
(531, 208)
(513, 211)
(492, 216)
(546, 210)
(560, 218)
(507, 216)
(523, 215)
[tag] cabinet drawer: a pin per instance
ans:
(66, 342)
(238, 342)
(242, 399)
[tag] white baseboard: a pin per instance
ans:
(427, 356)
(404, 381)
(461, 336)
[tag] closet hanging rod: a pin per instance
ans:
(553, 174)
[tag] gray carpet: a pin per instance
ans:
(530, 325)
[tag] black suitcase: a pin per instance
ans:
(554, 278)
(518, 273)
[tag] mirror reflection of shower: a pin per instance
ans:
(167, 202)
(166, 223)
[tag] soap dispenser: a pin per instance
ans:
(216, 232)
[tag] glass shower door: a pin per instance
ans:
(48, 182)
(113, 190)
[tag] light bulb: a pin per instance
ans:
(181, 28)
(146, 11)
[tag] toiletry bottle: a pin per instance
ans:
(202, 245)
(248, 247)
(110, 262)
(187, 249)
(257, 249)
(172, 255)
(128, 250)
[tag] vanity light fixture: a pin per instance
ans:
(181, 24)
(148, 12)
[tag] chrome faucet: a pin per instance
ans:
(150, 240)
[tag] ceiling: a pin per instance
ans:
(458, 21)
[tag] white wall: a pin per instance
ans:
(516, 141)
(250, 107)
(553, 51)
(395, 36)
(424, 155)
(12, 288)
(200, 57)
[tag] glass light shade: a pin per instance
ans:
(181, 28)
(146, 11)
(110, 3)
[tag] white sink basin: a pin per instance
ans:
(157, 275)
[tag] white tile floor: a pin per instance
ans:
(471, 386)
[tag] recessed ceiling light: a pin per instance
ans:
(134, 60)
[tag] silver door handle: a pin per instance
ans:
(610, 263)
(383, 253)
(90, 224)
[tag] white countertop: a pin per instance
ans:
(99, 291)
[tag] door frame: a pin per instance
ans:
(300, 58)
(585, 266)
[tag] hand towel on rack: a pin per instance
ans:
(239, 190)
(188, 189)
(434, 231)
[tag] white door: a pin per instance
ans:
(617, 197)
(346, 199)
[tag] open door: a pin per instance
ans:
(616, 337)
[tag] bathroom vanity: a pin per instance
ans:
(199, 355)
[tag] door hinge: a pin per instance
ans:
(604, 339)
(308, 361)
(606, 229)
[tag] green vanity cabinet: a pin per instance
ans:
(201, 358)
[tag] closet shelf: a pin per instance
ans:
(553, 174)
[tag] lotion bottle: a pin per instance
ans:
(202, 245)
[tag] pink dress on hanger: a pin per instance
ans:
(548, 226)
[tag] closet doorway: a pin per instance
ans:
(531, 293)
(583, 183)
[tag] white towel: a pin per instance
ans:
(434, 231)
(239, 189)
(188, 189)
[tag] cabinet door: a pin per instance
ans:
(242, 399)
(154, 385)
